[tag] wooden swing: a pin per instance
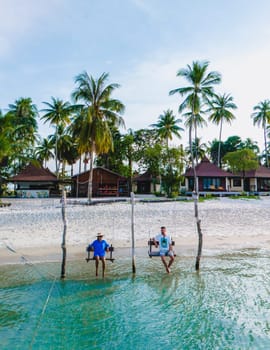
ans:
(154, 253)
(91, 257)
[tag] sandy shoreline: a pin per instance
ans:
(33, 228)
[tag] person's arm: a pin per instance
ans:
(90, 247)
(155, 239)
(93, 245)
(170, 244)
(107, 246)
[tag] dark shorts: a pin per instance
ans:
(99, 255)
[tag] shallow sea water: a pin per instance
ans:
(224, 306)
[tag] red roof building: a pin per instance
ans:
(146, 183)
(35, 181)
(210, 177)
(257, 180)
(105, 183)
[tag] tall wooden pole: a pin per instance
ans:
(64, 249)
(132, 233)
(195, 196)
(77, 187)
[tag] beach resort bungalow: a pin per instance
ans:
(105, 183)
(257, 180)
(213, 179)
(146, 183)
(210, 178)
(35, 182)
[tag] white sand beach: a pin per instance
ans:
(33, 227)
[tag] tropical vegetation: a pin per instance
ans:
(99, 112)
(90, 130)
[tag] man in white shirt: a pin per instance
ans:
(165, 247)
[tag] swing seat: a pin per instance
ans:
(155, 253)
(90, 257)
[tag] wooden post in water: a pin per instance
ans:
(64, 249)
(132, 233)
(195, 197)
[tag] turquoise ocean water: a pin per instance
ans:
(224, 306)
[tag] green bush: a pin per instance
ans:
(183, 191)
(159, 194)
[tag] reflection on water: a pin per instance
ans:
(225, 306)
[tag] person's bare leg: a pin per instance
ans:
(97, 261)
(165, 263)
(171, 261)
(103, 266)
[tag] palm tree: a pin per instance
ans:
(261, 116)
(5, 144)
(67, 148)
(99, 110)
(43, 151)
(199, 149)
(74, 129)
(71, 154)
(212, 149)
(198, 92)
(250, 144)
(167, 126)
(194, 121)
(58, 112)
(128, 143)
(21, 118)
(5, 141)
(220, 109)
(23, 114)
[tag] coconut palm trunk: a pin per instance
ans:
(56, 151)
(64, 248)
(265, 147)
(196, 94)
(196, 208)
(90, 179)
(130, 175)
(219, 143)
(221, 107)
(98, 113)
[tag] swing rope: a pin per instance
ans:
(30, 263)
(42, 314)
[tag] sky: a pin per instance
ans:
(45, 44)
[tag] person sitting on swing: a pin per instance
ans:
(165, 248)
(100, 247)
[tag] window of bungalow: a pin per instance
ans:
(237, 182)
(191, 184)
(264, 184)
(211, 183)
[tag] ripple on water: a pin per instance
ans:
(225, 306)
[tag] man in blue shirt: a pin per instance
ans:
(100, 247)
(165, 248)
